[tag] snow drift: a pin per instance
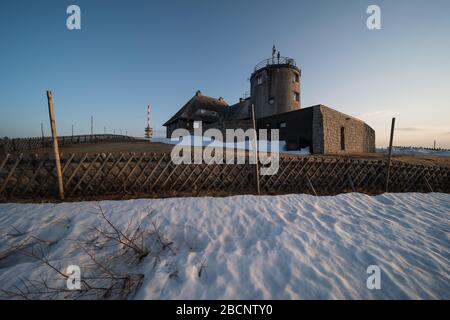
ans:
(249, 247)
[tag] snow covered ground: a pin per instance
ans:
(249, 247)
(416, 152)
(263, 145)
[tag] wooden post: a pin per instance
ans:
(390, 154)
(311, 185)
(42, 131)
(255, 150)
(351, 182)
(428, 184)
(92, 125)
(55, 145)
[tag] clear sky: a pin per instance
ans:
(132, 53)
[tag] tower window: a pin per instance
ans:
(296, 96)
(259, 80)
(296, 77)
(342, 138)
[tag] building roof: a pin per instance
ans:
(239, 111)
(201, 108)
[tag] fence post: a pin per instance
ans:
(311, 185)
(55, 145)
(42, 133)
(427, 183)
(255, 151)
(390, 154)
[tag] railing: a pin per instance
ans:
(275, 61)
(23, 144)
(246, 95)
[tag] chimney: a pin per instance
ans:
(220, 99)
(241, 99)
(198, 93)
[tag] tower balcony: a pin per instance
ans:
(281, 61)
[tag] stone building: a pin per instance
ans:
(275, 95)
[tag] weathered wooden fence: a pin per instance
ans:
(155, 175)
(23, 144)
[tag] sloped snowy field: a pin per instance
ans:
(271, 247)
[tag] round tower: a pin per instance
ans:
(275, 86)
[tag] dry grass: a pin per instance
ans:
(110, 254)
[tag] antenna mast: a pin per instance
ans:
(148, 130)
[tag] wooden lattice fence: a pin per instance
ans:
(155, 175)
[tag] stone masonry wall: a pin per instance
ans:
(359, 137)
(317, 129)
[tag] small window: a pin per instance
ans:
(196, 125)
(296, 96)
(342, 138)
(207, 112)
(282, 125)
(296, 77)
(259, 80)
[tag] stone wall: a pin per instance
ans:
(358, 136)
(317, 129)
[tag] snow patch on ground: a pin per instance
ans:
(415, 151)
(263, 145)
(250, 247)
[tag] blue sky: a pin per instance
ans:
(132, 53)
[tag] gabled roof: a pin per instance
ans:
(192, 110)
(239, 111)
